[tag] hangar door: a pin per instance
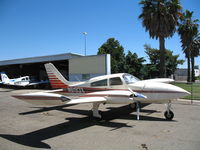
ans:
(84, 68)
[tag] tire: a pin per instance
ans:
(132, 106)
(169, 116)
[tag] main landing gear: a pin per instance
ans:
(95, 111)
(136, 106)
(169, 115)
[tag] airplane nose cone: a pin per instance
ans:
(166, 91)
(180, 90)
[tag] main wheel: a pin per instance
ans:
(132, 106)
(169, 116)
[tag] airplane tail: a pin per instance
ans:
(56, 79)
(4, 78)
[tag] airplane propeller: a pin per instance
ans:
(137, 94)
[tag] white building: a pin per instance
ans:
(181, 74)
(74, 67)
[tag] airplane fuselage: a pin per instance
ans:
(155, 92)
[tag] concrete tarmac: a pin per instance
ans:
(25, 126)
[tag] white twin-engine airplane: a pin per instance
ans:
(21, 81)
(119, 88)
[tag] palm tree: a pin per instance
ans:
(187, 29)
(160, 18)
(194, 53)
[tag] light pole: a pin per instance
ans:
(85, 34)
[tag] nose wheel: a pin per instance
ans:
(169, 115)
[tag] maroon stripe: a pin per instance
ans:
(89, 90)
(56, 82)
(140, 91)
(100, 95)
(52, 78)
(59, 86)
(36, 97)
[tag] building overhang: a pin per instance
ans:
(40, 59)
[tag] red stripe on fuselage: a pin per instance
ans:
(90, 90)
(55, 82)
(59, 86)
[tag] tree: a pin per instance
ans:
(120, 62)
(134, 64)
(195, 53)
(113, 47)
(172, 61)
(188, 30)
(160, 18)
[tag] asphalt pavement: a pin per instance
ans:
(25, 126)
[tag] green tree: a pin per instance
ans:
(120, 62)
(172, 62)
(113, 47)
(134, 64)
(160, 18)
(195, 53)
(188, 30)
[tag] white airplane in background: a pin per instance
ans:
(22, 81)
(119, 88)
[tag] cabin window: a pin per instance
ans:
(115, 81)
(100, 83)
(85, 76)
(130, 78)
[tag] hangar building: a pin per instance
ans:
(73, 67)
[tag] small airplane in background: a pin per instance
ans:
(22, 81)
(121, 88)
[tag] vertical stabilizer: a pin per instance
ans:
(4, 78)
(56, 79)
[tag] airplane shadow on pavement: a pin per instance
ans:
(36, 138)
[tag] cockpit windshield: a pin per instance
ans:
(130, 78)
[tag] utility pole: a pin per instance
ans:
(85, 35)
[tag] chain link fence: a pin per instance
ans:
(193, 88)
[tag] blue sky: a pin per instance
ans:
(31, 28)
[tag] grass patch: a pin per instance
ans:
(194, 89)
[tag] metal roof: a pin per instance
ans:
(38, 59)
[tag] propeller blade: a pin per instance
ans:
(137, 94)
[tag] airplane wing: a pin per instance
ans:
(104, 96)
(55, 98)
(50, 98)
(36, 83)
(86, 100)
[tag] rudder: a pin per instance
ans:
(56, 79)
